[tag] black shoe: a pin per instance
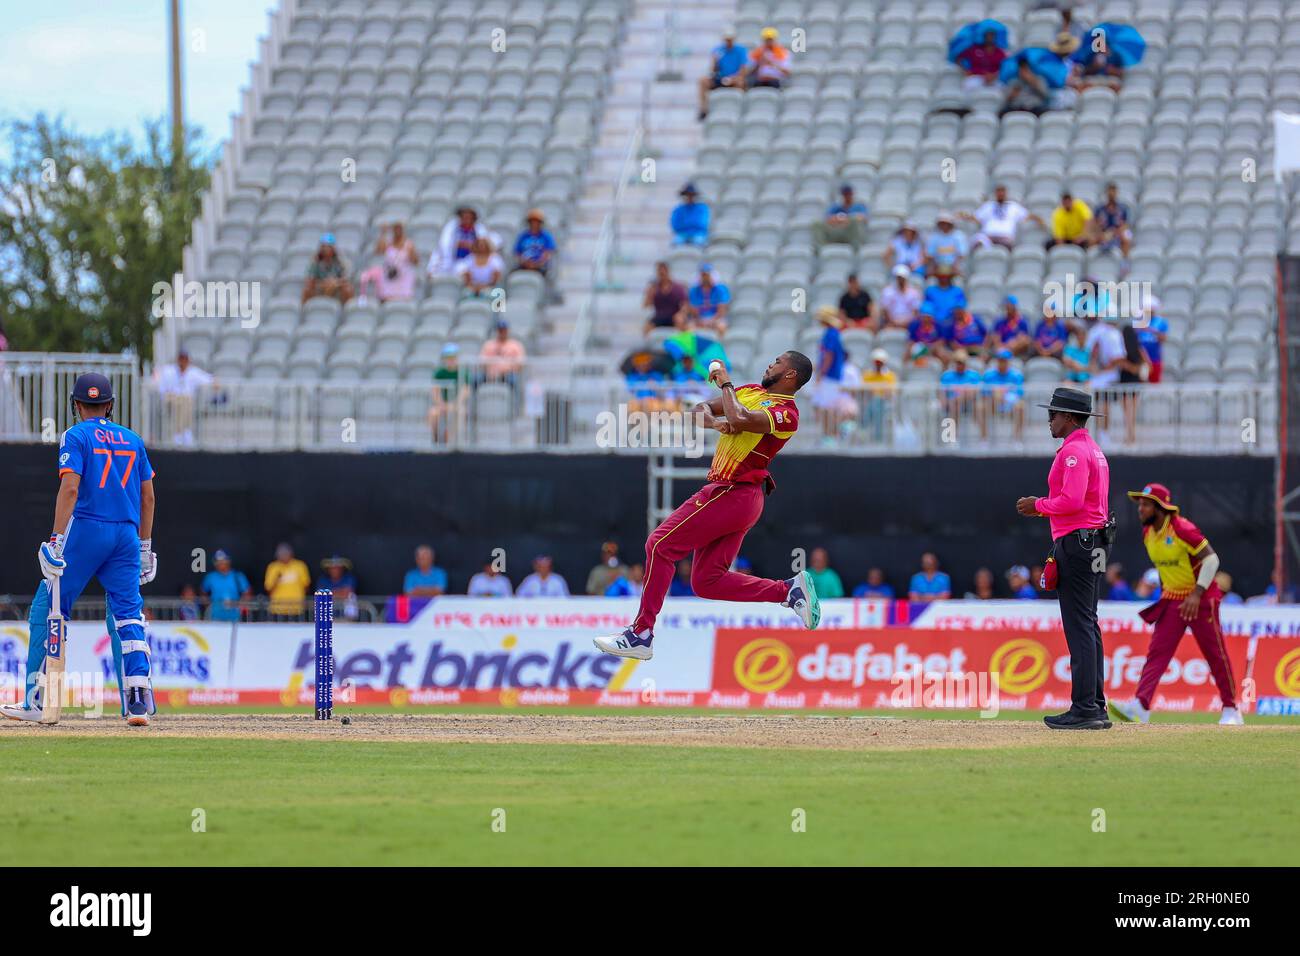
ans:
(1072, 721)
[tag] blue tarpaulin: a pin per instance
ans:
(1042, 61)
(1124, 44)
(972, 34)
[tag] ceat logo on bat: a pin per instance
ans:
(1022, 666)
(764, 665)
(1287, 674)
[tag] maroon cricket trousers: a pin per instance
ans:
(711, 523)
(1169, 629)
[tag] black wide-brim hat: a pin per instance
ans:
(1071, 400)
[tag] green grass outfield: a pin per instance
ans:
(1210, 797)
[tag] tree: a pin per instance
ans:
(87, 226)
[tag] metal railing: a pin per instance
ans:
(35, 388)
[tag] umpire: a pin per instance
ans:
(1078, 489)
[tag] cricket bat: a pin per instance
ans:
(55, 660)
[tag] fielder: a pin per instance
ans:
(1188, 598)
(755, 421)
(103, 522)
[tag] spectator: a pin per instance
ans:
(691, 383)
(926, 336)
(490, 582)
(1004, 391)
(1018, 582)
(999, 218)
(393, 279)
(681, 586)
(875, 586)
(1064, 47)
(456, 241)
(708, 302)
(964, 331)
(543, 582)
(1106, 352)
(1110, 226)
(446, 397)
(1224, 580)
(856, 307)
(946, 246)
(1132, 373)
(425, 579)
(825, 579)
(188, 607)
(645, 384)
(982, 589)
(728, 69)
(286, 582)
(338, 577)
(225, 588)
(1075, 28)
(1010, 331)
(1118, 588)
(628, 583)
(604, 573)
(900, 300)
(828, 392)
(1075, 356)
(770, 64)
(929, 584)
(944, 296)
(690, 219)
(178, 385)
(881, 385)
(1070, 223)
(535, 247)
(982, 62)
(1051, 335)
(1027, 93)
(665, 297)
(1148, 587)
(481, 270)
(906, 249)
(1152, 336)
(959, 385)
(845, 222)
(1098, 67)
(503, 357)
(327, 274)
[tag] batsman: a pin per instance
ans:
(1188, 598)
(103, 522)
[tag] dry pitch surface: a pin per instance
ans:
(791, 732)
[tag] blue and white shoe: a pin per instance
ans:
(137, 708)
(19, 712)
(627, 644)
(803, 600)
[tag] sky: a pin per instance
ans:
(103, 64)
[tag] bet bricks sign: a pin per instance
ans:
(951, 669)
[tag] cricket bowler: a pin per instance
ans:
(755, 421)
(103, 523)
(1189, 597)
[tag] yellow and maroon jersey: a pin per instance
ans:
(744, 456)
(1177, 548)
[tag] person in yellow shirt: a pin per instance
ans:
(1070, 222)
(881, 383)
(286, 583)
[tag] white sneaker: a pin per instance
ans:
(626, 644)
(1132, 712)
(19, 712)
(1231, 718)
(802, 599)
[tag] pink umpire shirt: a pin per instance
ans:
(1078, 486)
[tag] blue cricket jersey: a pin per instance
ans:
(112, 463)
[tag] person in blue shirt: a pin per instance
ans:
(1119, 589)
(225, 588)
(690, 219)
(959, 384)
(845, 221)
(730, 64)
(946, 247)
(1018, 582)
(1011, 330)
(926, 336)
(707, 302)
(1004, 386)
(929, 584)
(1152, 337)
(535, 247)
(1051, 335)
(628, 583)
(944, 295)
(875, 586)
(965, 331)
(681, 586)
(425, 579)
(103, 527)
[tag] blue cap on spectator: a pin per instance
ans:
(502, 324)
(1011, 300)
(1002, 354)
(451, 348)
(689, 190)
(220, 556)
(846, 187)
(327, 239)
(705, 268)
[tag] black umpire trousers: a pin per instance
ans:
(1079, 555)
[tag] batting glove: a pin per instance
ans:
(148, 561)
(50, 556)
